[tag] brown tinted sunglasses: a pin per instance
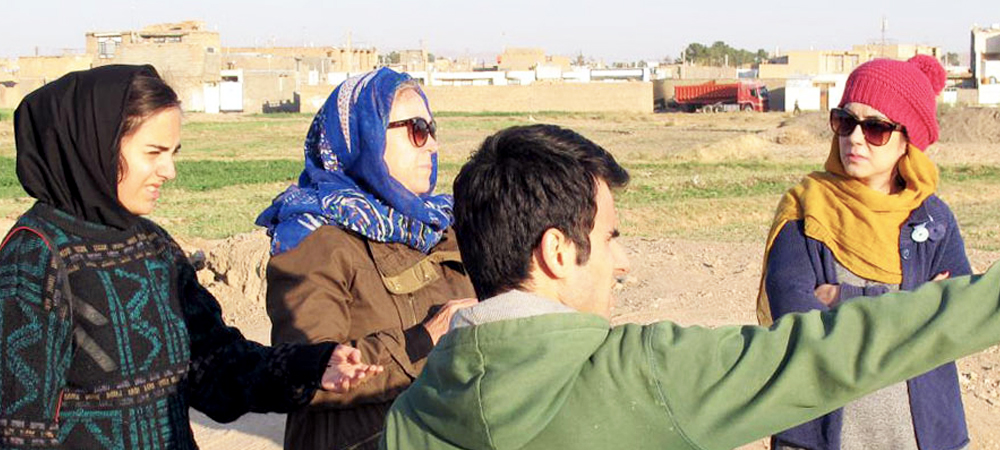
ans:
(877, 131)
(418, 129)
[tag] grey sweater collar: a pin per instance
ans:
(509, 305)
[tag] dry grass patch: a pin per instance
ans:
(214, 214)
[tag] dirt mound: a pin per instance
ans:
(815, 124)
(740, 147)
(770, 145)
(969, 125)
(234, 270)
(794, 135)
(5, 225)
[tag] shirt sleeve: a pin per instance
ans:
(791, 280)
(35, 342)
(230, 375)
(728, 386)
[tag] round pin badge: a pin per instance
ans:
(920, 233)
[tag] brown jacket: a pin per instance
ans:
(338, 286)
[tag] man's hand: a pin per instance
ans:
(345, 370)
(437, 326)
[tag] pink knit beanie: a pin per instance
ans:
(905, 92)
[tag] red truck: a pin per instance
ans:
(719, 97)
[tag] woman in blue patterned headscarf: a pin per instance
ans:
(362, 251)
(345, 181)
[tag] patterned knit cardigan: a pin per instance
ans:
(107, 338)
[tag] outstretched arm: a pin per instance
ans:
(732, 385)
(230, 375)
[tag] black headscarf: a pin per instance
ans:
(67, 135)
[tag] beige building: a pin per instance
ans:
(520, 59)
(460, 64)
(276, 78)
(692, 72)
(804, 63)
(985, 58)
(186, 54)
(325, 59)
(8, 83)
(25, 74)
(413, 61)
(901, 52)
(206, 76)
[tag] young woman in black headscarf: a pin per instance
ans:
(106, 336)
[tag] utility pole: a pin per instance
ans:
(350, 54)
(885, 26)
(423, 56)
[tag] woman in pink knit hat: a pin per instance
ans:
(870, 224)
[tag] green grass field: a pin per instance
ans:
(231, 167)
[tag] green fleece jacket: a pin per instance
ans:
(571, 381)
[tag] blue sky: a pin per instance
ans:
(613, 30)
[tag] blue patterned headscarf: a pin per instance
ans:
(346, 183)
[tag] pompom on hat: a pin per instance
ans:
(906, 92)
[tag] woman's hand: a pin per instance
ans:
(438, 325)
(827, 293)
(345, 370)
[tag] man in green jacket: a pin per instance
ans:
(536, 364)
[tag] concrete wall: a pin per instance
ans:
(32, 72)
(989, 94)
(9, 95)
(967, 96)
(775, 71)
(313, 97)
(593, 97)
(575, 97)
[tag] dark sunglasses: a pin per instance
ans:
(418, 129)
(877, 131)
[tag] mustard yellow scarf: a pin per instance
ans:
(859, 225)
